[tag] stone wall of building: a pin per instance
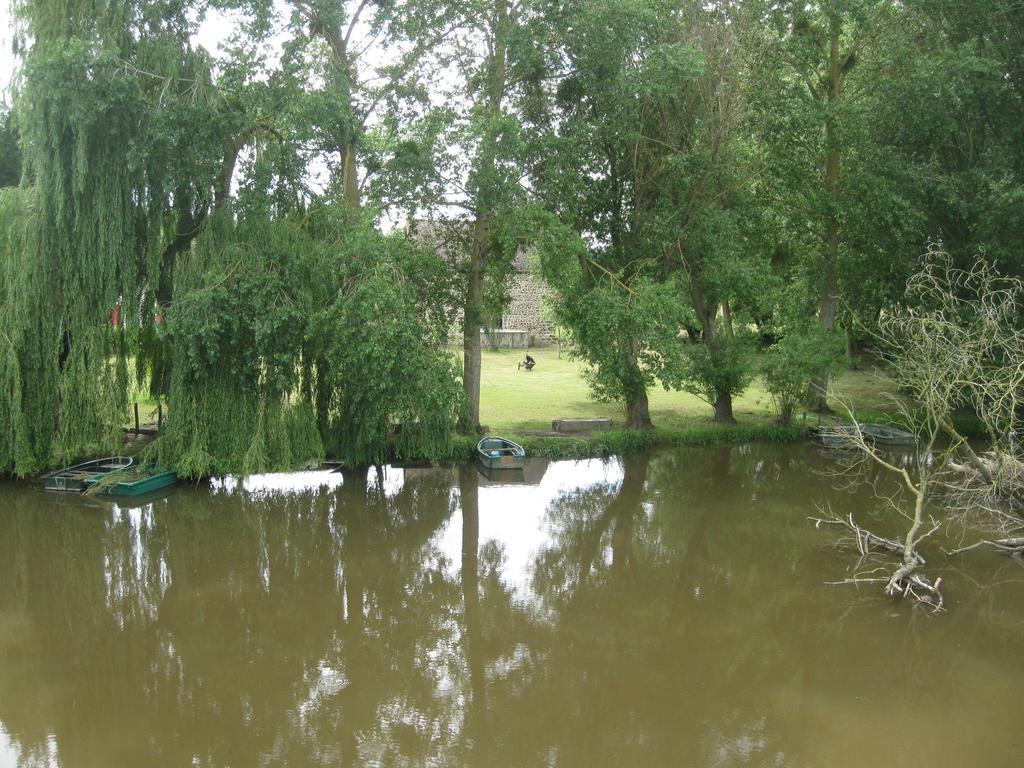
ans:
(525, 310)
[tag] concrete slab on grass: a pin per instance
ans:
(577, 426)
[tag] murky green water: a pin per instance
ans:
(663, 611)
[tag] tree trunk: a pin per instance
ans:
(830, 235)
(851, 351)
(638, 413)
(189, 222)
(350, 174)
(468, 493)
(472, 315)
(472, 320)
(786, 415)
(707, 311)
(623, 509)
(723, 408)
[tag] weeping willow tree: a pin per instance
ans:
(273, 336)
(118, 176)
(385, 383)
(236, 335)
(291, 338)
(68, 256)
(20, 338)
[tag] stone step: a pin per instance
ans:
(572, 426)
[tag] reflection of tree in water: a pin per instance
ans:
(670, 622)
(227, 629)
(492, 627)
(675, 624)
(638, 660)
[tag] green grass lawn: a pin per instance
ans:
(516, 401)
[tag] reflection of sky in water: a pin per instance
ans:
(515, 515)
(134, 586)
(12, 757)
(276, 482)
(512, 514)
(270, 483)
(8, 752)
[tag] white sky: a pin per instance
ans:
(6, 56)
(216, 28)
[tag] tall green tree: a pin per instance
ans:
(844, 201)
(954, 120)
(697, 180)
(496, 57)
(337, 41)
(132, 144)
(602, 261)
(97, 204)
(297, 336)
(652, 167)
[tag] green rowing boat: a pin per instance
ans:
(77, 478)
(132, 482)
(499, 453)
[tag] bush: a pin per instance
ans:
(791, 365)
(722, 367)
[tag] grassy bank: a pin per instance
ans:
(519, 404)
(623, 441)
(518, 401)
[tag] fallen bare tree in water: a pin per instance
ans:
(955, 345)
(917, 480)
(905, 581)
(966, 333)
(1012, 546)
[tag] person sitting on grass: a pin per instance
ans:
(528, 363)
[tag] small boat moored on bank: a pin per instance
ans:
(75, 479)
(884, 434)
(844, 435)
(131, 482)
(500, 453)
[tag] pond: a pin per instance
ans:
(662, 610)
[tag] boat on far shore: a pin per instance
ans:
(500, 453)
(844, 435)
(131, 482)
(76, 478)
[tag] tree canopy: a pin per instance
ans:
(712, 190)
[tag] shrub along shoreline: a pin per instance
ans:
(618, 442)
(621, 442)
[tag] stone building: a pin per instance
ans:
(524, 321)
(525, 308)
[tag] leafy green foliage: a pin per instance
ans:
(681, 167)
(10, 149)
(800, 357)
(293, 339)
(627, 333)
(723, 365)
(393, 392)
(651, 164)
